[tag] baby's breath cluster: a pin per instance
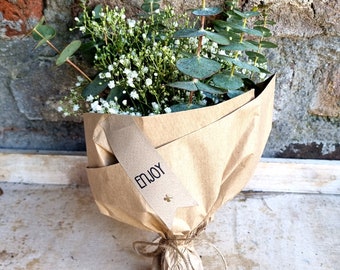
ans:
(135, 59)
(147, 65)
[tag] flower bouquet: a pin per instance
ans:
(175, 117)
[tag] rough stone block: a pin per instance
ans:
(326, 101)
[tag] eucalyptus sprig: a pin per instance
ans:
(231, 69)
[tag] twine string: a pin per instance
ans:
(161, 244)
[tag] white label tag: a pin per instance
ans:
(146, 168)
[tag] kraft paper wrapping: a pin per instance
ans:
(212, 153)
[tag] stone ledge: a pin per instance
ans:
(271, 175)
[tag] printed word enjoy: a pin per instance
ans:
(150, 175)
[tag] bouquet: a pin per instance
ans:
(176, 116)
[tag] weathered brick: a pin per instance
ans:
(17, 16)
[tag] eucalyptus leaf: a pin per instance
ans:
(151, 1)
(189, 32)
(151, 6)
(115, 92)
(220, 23)
(263, 23)
(184, 107)
(42, 33)
(238, 46)
(228, 82)
(244, 29)
(234, 93)
(97, 10)
(245, 65)
(184, 85)
(268, 44)
(264, 30)
(233, 16)
(68, 52)
(95, 87)
(246, 14)
(260, 58)
(208, 88)
(264, 71)
(209, 11)
(217, 37)
(198, 67)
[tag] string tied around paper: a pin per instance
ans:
(177, 253)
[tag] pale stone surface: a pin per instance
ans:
(59, 227)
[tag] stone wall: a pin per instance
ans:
(307, 100)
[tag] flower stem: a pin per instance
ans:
(67, 60)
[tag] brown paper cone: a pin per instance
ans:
(212, 151)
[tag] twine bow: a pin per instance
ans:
(179, 246)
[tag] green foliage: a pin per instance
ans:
(150, 6)
(239, 50)
(68, 52)
(149, 65)
(42, 33)
(198, 67)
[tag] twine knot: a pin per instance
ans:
(176, 253)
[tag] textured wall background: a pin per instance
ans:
(307, 107)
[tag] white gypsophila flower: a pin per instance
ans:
(134, 95)
(104, 103)
(82, 29)
(75, 107)
(127, 71)
(222, 52)
(145, 69)
(60, 109)
(131, 23)
(123, 16)
(130, 82)
(175, 24)
(76, 19)
(167, 110)
(101, 75)
(112, 110)
(89, 98)
(148, 82)
(108, 75)
(111, 84)
(124, 102)
(144, 36)
(177, 42)
(155, 106)
(77, 84)
(80, 79)
(134, 74)
(110, 67)
(97, 107)
(203, 102)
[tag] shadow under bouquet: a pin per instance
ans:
(177, 115)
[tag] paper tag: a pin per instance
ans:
(146, 168)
